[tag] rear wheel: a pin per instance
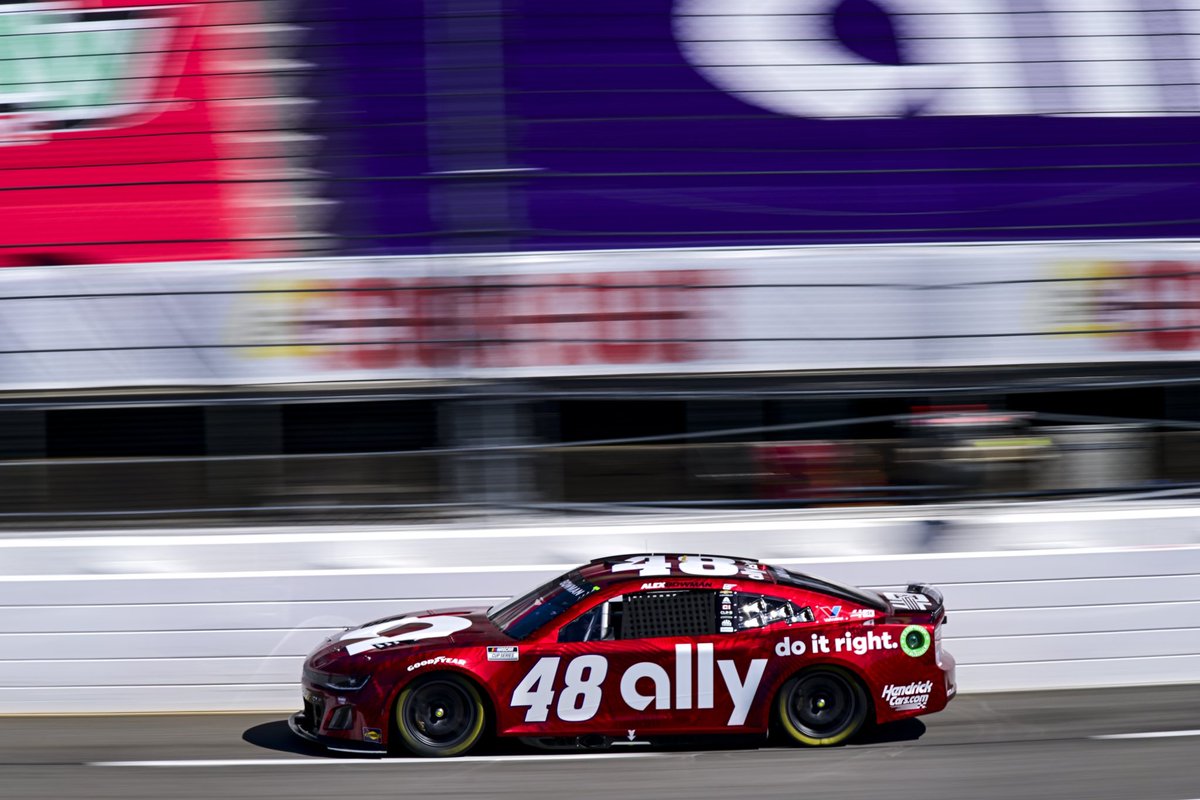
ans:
(442, 715)
(822, 706)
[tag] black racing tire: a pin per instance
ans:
(822, 706)
(440, 715)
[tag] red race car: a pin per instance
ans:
(631, 649)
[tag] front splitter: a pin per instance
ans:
(298, 724)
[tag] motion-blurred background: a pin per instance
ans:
(373, 259)
(313, 312)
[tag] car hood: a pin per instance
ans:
(405, 633)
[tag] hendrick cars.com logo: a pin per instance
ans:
(909, 697)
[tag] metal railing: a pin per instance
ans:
(1041, 461)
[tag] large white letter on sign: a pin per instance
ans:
(969, 57)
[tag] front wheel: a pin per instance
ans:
(822, 706)
(440, 716)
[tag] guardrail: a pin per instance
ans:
(220, 620)
(1047, 461)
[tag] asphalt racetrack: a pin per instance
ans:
(1123, 744)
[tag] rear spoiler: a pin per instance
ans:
(918, 598)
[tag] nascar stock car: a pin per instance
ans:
(632, 649)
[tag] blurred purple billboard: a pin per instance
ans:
(704, 123)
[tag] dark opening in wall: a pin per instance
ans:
(1146, 403)
(125, 432)
(359, 427)
(585, 420)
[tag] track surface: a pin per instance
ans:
(1024, 746)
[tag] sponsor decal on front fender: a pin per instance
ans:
(429, 662)
(504, 653)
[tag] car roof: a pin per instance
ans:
(599, 572)
(601, 569)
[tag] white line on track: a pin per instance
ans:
(1147, 735)
(359, 762)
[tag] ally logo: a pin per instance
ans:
(67, 68)
(900, 58)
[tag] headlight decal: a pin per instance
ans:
(341, 683)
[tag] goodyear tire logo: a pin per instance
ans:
(915, 640)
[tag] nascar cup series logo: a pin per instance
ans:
(912, 697)
(68, 68)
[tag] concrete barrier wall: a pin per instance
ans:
(158, 621)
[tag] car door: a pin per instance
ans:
(639, 664)
(769, 628)
(661, 646)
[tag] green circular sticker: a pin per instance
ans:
(915, 640)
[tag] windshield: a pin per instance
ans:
(523, 615)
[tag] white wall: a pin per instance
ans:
(221, 620)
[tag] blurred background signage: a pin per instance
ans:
(898, 58)
(705, 311)
(73, 68)
(149, 131)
